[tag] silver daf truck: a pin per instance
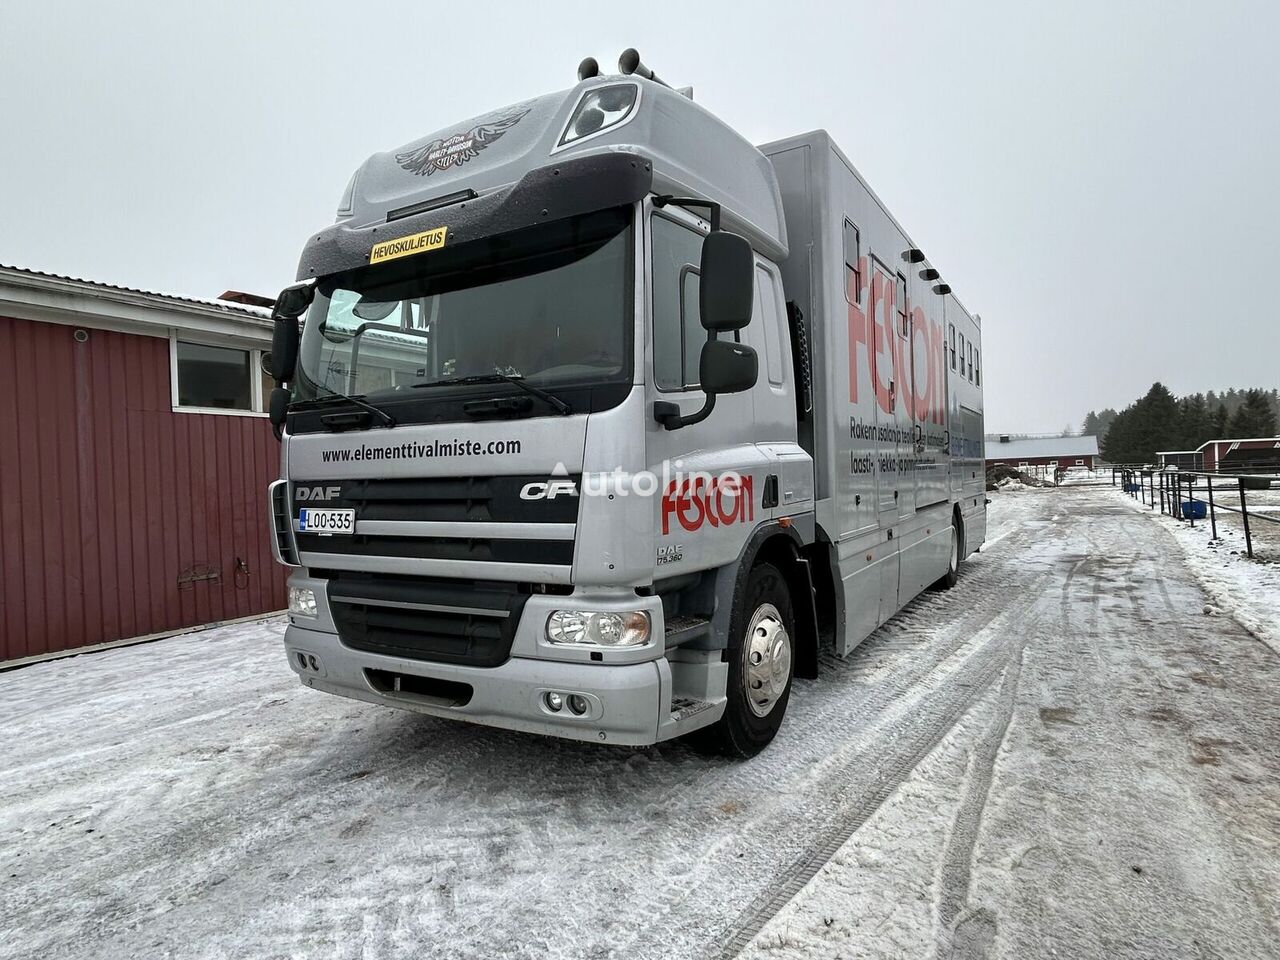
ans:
(599, 421)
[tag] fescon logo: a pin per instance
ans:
(719, 501)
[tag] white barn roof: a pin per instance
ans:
(1028, 448)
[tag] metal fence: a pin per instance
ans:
(1177, 490)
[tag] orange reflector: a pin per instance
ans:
(784, 522)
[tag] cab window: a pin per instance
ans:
(678, 334)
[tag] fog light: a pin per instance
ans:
(597, 628)
(554, 702)
(302, 601)
(578, 704)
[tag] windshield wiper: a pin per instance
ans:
(332, 395)
(559, 405)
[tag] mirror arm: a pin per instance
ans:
(710, 205)
(667, 413)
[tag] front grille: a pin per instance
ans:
(494, 499)
(474, 549)
(470, 622)
(282, 523)
(432, 519)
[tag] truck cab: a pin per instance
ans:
(547, 413)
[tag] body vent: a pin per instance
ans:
(282, 524)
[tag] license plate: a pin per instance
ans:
(326, 521)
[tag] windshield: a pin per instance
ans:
(551, 304)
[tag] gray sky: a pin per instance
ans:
(1097, 180)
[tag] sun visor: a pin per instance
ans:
(567, 188)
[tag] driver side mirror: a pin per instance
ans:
(726, 289)
(726, 297)
(290, 305)
(727, 367)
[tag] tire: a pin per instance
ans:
(948, 579)
(760, 672)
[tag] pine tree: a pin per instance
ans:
(1193, 421)
(1218, 423)
(1254, 418)
(1105, 418)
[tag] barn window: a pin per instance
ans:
(852, 263)
(218, 378)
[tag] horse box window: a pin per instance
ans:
(852, 263)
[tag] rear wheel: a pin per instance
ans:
(956, 551)
(761, 665)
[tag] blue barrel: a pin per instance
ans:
(1194, 510)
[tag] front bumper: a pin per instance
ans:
(626, 699)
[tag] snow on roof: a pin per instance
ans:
(7, 271)
(1027, 448)
(1272, 440)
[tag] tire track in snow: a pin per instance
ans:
(903, 745)
(891, 728)
(994, 607)
(964, 932)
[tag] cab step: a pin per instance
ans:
(682, 629)
(683, 709)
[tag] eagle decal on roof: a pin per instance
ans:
(455, 150)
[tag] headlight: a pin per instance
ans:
(629, 629)
(302, 601)
(600, 109)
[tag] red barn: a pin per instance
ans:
(1227, 456)
(1042, 456)
(134, 462)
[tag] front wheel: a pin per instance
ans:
(761, 664)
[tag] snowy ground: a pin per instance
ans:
(1063, 756)
(1248, 590)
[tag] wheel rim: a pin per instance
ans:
(767, 656)
(955, 549)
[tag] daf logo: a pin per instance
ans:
(311, 494)
(548, 489)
